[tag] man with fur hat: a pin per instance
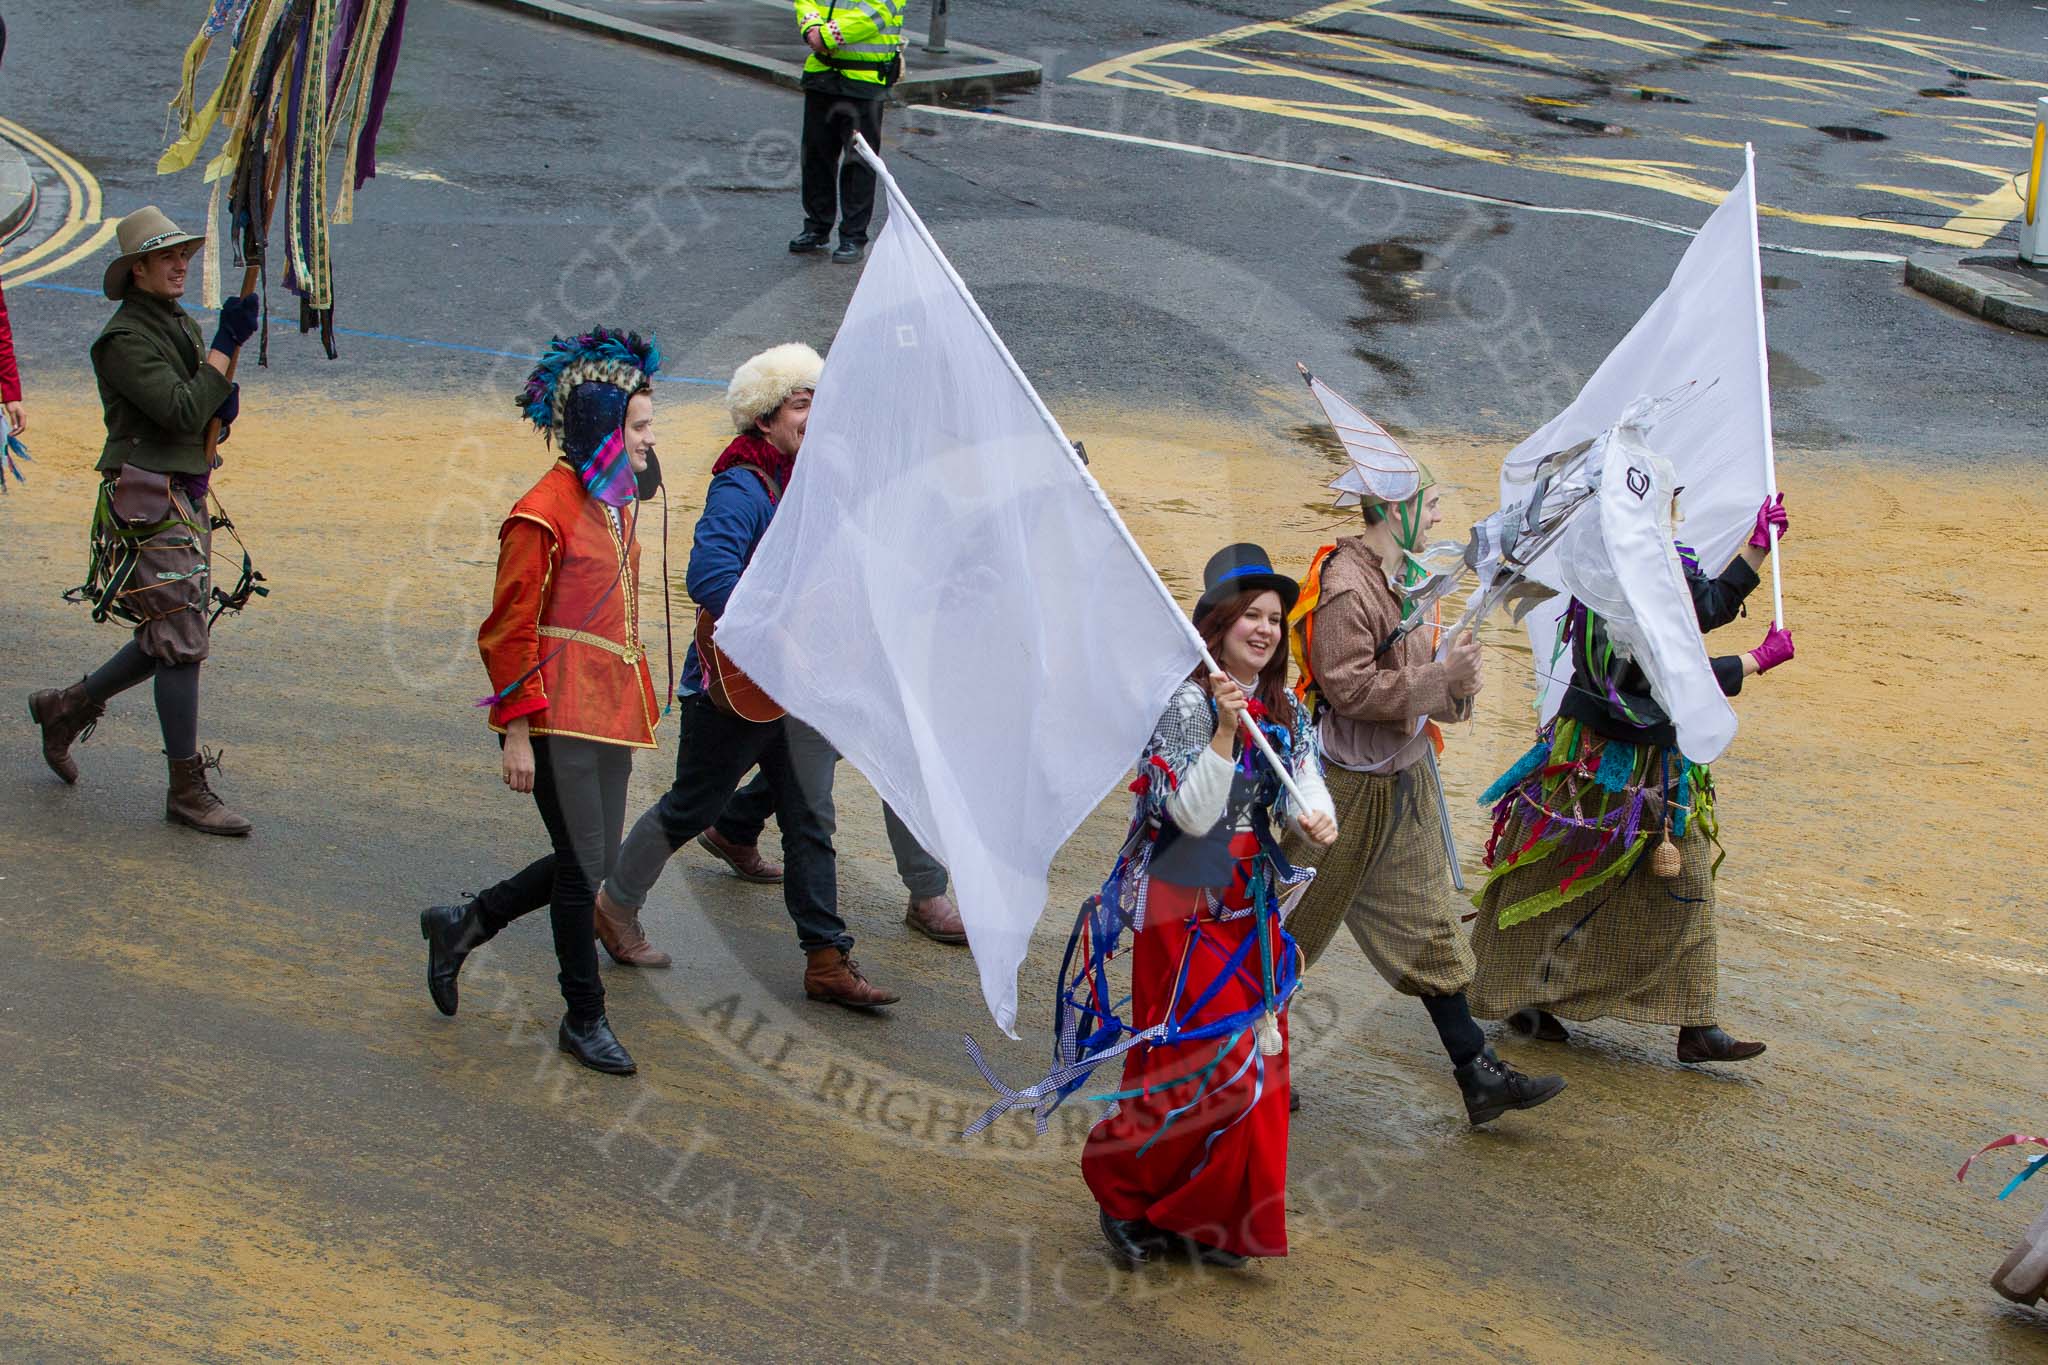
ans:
(161, 390)
(770, 400)
(1376, 689)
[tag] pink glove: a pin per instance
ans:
(1772, 513)
(1776, 649)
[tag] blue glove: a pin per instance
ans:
(229, 410)
(239, 319)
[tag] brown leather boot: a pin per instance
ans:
(833, 977)
(192, 802)
(67, 717)
(745, 860)
(937, 918)
(620, 933)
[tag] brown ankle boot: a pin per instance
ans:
(67, 717)
(832, 976)
(745, 860)
(937, 918)
(620, 933)
(192, 802)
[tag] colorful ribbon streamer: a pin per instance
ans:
(2027, 1172)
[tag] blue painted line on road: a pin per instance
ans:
(428, 343)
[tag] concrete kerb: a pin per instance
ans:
(983, 71)
(2014, 298)
(17, 189)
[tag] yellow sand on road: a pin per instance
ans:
(1880, 927)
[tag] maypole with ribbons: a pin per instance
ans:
(300, 77)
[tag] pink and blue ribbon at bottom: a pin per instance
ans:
(2027, 1172)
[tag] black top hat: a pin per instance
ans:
(1242, 568)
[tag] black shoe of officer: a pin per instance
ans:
(593, 1043)
(807, 241)
(1132, 1241)
(451, 932)
(1492, 1087)
(849, 253)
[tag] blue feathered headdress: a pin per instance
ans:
(600, 356)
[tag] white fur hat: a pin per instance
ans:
(760, 386)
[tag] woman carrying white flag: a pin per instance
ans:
(1194, 1150)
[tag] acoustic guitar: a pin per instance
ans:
(730, 689)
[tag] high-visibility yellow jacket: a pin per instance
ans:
(862, 38)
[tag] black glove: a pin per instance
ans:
(648, 480)
(229, 410)
(239, 319)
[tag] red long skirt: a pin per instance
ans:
(1229, 1192)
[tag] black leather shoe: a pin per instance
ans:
(596, 1046)
(1132, 1241)
(849, 252)
(1216, 1256)
(451, 932)
(1492, 1087)
(807, 241)
(1541, 1025)
(1714, 1044)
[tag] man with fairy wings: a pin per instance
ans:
(1377, 686)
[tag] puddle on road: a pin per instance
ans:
(1787, 373)
(1320, 438)
(1393, 258)
(1493, 20)
(1844, 133)
(1467, 54)
(1944, 92)
(1552, 110)
(1385, 273)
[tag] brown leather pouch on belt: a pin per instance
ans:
(142, 497)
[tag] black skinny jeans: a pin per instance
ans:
(713, 753)
(580, 787)
(177, 694)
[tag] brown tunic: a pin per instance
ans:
(1388, 876)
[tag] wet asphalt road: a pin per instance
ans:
(535, 179)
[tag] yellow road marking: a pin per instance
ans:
(82, 212)
(99, 239)
(1953, 203)
(1368, 108)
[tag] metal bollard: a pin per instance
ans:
(935, 41)
(2034, 223)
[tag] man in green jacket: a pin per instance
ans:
(160, 390)
(856, 54)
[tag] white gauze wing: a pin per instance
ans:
(1617, 557)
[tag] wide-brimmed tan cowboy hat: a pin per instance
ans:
(140, 233)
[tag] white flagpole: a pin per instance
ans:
(1763, 369)
(898, 203)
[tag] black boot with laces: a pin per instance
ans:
(1492, 1087)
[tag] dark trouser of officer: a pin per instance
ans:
(836, 182)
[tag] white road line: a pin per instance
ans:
(1464, 196)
